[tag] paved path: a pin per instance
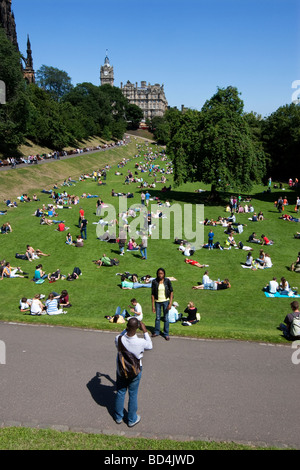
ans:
(191, 389)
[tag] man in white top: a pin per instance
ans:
(273, 286)
(136, 309)
(206, 279)
(136, 346)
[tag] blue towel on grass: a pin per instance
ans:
(293, 296)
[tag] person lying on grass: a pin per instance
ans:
(106, 261)
(125, 284)
(215, 285)
(195, 263)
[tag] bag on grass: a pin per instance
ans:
(295, 327)
(128, 364)
(18, 256)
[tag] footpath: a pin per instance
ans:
(191, 389)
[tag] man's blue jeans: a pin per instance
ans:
(159, 306)
(144, 252)
(133, 387)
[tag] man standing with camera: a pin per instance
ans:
(129, 342)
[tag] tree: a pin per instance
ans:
(14, 112)
(134, 115)
(217, 146)
(56, 82)
(281, 137)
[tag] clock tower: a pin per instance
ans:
(107, 73)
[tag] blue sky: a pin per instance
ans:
(190, 46)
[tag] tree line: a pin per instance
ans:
(226, 147)
(221, 144)
(53, 113)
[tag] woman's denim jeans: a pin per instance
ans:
(159, 306)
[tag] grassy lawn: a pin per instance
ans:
(47, 439)
(242, 312)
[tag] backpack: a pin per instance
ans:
(295, 327)
(128, 364)
(18, 256)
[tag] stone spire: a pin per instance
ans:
(28, 72)
(7, 21)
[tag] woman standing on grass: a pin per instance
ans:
(162, 299)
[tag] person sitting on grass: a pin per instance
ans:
(285, 327)
(32, 253)
(63, 299)
(36, 306)
(284, 287)
(136, 309)
(9, 271)
(272, 287)
(265, 240)
(6, 228)
(51, 306)
(191, 318)
(253, 239)
(295, 267)
(39, 273)
(69, 240)
(25, 304)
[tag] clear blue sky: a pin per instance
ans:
(190, 46)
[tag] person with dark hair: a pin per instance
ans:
(129, 340)
(162, 300)
(285, 327)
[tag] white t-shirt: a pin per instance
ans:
(206, 279)
(35, 307)
(268, 262)
(138, 312)
(273, 286)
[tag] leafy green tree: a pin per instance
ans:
(14, 113)
(134, 115)
(55, 81)
(281, 137)
(216, 146)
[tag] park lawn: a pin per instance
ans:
(48, 439)
(241, 313)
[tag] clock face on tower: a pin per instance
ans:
(106, 72)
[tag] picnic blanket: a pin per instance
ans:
(291, 295)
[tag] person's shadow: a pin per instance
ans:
(102, 393)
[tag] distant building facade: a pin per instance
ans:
(150, 98)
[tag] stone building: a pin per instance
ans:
(7, 21)
(150, 98)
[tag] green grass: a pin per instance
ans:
(241, 313)
(47, 439)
